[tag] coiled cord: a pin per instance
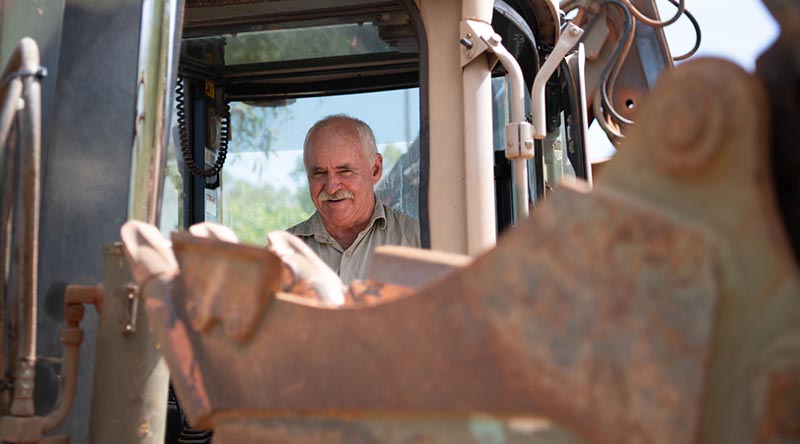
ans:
(224, 133)
(195, 436)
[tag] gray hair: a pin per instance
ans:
(363, 131)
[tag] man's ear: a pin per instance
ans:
(377, 168)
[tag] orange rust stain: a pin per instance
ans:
(782, 411)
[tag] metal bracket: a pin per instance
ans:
(474, 35)
(597, 34)
(132, 309)
(519, 140)
(479, 37)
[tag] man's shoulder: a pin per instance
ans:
(304, 228)
(405, 225)
(400, 217)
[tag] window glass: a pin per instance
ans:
(172, 216)
(556, 162)
(381, 35)
(264, 182)
(501, 115)
(303, 43)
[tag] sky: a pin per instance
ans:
(737, 30)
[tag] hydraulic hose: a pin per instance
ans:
(21, 80)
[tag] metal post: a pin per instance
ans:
(131, 379)
(158, 49)
(479, 156)
(519, 141)
(23, 70)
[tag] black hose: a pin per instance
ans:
(697, 33)
(615, 61)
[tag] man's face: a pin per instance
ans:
(341, 177)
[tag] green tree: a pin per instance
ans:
(303, 43)
(301, 195)
(252, 206)
(253, 210)
(390, 155)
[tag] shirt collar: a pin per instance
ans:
(378, 215)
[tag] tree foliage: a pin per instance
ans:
(303, 43)
(253, 210)
(253, 205)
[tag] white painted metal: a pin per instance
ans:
(479, 157)
(568, 39)
(519, 140)
(446, 192)
(158, 56)
(478, 151)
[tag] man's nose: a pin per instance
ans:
(332, 183)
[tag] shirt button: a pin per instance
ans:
(348, 253)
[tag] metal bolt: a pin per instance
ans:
(574, 31)
(466, 43)
(495, 39)
(130, 291)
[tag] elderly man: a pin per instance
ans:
(343, 165)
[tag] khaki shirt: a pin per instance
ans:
(386, 227)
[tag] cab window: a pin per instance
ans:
(255, 76)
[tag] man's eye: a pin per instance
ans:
(317, 174)
(347, 172)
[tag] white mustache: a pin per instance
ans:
(339, 195)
